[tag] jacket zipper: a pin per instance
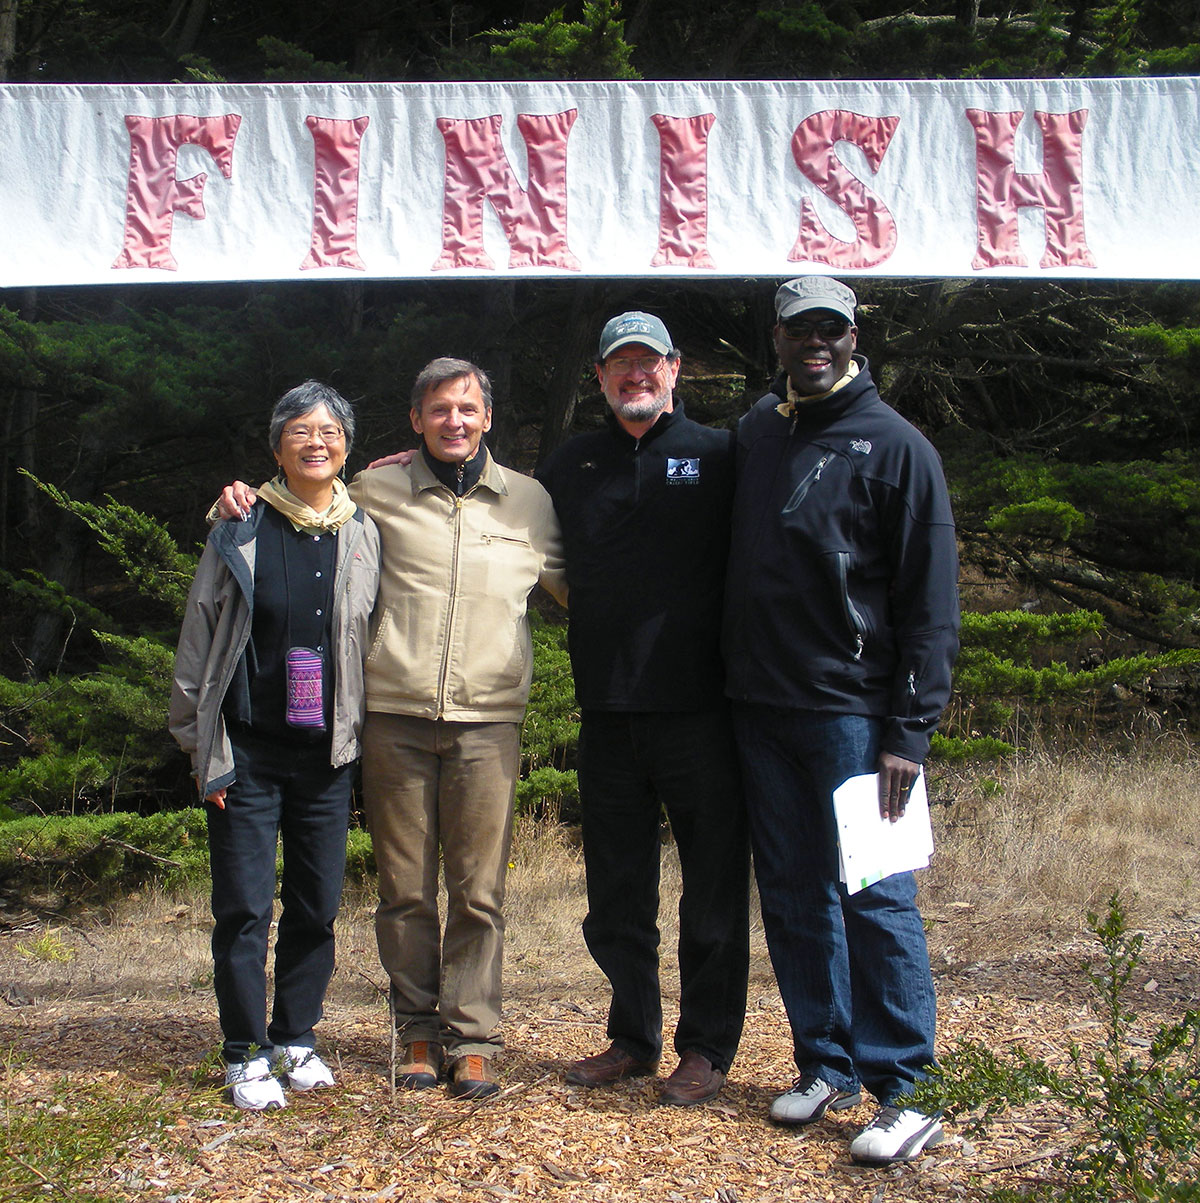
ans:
(441, 692)
(854, 619)
(807, 483)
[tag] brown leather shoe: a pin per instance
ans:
(420, 1065)
(695, 1080)
(612, 1065)
(471, 1077)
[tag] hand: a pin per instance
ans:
(896, 776)
(236, 500)
(217, 798)
(403, 458)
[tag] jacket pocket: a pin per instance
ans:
(855, 622)
(811, 477)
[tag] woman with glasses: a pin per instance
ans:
(268, 701)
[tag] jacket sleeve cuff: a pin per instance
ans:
(908, 737)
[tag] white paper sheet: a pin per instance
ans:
(871, 848)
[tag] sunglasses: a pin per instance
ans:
(828, 328)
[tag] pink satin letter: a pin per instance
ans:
(477, 169)
(154, 194)
(683, 190)
(336, 146)
(812, 148)
(1057, 189)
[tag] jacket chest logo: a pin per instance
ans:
(683, 471)
(863, 446)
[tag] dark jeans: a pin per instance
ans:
(280, 790)
(853, 969)
(632, 767)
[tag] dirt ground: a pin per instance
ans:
(130, 1013)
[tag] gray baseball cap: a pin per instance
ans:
(814, 292)
(635, 327)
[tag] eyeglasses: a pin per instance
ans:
(828, 328)
(648, 364)
(301, 434)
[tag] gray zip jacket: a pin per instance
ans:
(216, 630)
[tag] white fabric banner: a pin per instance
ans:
(1091, 178)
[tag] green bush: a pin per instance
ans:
(1133, 1107)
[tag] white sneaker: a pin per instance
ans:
(252, 1086)
(304, 1069)
(809, 1098)
(895, 1135)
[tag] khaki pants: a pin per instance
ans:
(430, 785)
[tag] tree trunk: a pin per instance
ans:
(499, 317)
(183, 30)
(575, 348)
(8, 36)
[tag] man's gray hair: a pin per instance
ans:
(442, 371)
(303, 399)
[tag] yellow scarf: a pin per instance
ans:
(797, 400)
(301, 515)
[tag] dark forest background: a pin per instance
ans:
(1067, 413)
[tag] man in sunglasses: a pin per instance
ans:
(841, 627)
(644, 505)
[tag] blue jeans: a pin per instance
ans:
(289, 791)
(632, 768)
(853, 969)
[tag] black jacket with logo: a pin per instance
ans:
(842, 592)
(645, 527)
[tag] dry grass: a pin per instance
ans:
(1043, 839)
(1023, 852)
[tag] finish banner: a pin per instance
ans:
(131, 184)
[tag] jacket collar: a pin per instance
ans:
(660, 427)
(858, 390)
(491, 478)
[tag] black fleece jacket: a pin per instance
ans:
(645, 527)
(842, 591)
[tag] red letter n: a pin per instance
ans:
(812, 148)
(1000, 189)
(477, 169)
(336, 146)
(154, 195)
(683, 190)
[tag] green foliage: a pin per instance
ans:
(149, 557)
(288, 63)
(555, 48)
(550, 735)
(104, 854)
(1043, 518)
(549, 792)
(1007, 663)
(1133, 1107)
(360, 855)
(986, 747)
(93, 740)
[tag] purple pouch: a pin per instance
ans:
(305, 696)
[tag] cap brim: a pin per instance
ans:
(643, 340)
(808, 304)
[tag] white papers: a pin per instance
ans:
(871, 848)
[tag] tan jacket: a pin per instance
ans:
(452, 636)
(216, 630)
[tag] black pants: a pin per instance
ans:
(632, 766)
(281, 789)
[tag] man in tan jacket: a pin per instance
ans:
(463, 544)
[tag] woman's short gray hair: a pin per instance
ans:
(442, 371)
(303, 399)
